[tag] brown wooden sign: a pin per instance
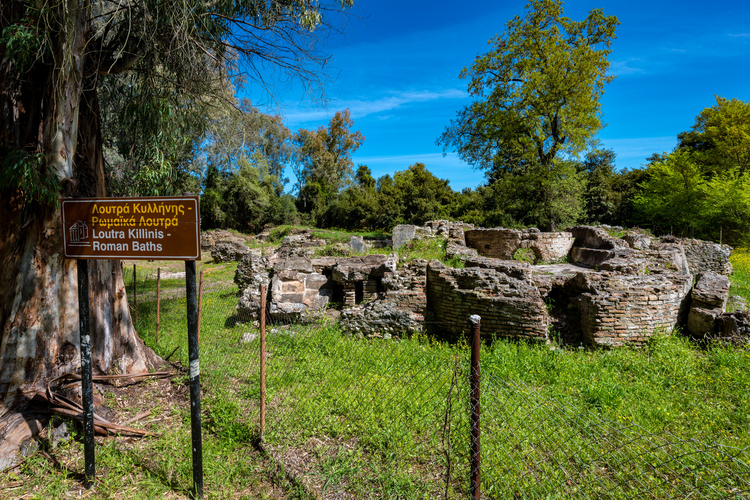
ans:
(158, 228)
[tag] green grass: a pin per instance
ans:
(427, 249)
(367, 416)
(740, 280)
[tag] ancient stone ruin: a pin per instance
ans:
(589, 287)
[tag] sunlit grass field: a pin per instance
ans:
(384, 418)
(741, 278)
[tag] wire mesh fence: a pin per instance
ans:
(535, 446)
(356, 417)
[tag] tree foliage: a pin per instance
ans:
(536, 103)
(324, 163)
(700, 189)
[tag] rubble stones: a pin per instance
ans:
(251, 273)
(380, 318)
(735, 324)
(209, 239)
(404, 233)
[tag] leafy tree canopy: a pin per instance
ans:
(324, 160)
(536, 92)
(536, 104)
(720, 138)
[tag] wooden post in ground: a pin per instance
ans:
(135, 292)
(158, 301)
(200, 305)
(262, 361)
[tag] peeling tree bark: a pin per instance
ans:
(54, 110)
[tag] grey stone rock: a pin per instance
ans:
(736, 303)
(403, 234)
(28, 447)
(639, 241)
(709, 296)
(6, 462)
(230, 251)
(736, 324)
(357, 243)
(60, 434)
(711, 290)
(701, 321)
(597, 238)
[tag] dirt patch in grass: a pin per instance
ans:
(306, 465)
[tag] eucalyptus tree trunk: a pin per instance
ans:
(52, 109)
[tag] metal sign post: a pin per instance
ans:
(87, 386)
(159, 228)
(195, 380)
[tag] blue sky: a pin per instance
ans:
(397, 71)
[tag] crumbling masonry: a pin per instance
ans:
(589, 287)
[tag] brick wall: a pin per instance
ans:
(619, 309)
(502, 243)
(707, 256)
(508, 307)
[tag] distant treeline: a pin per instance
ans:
(699, 189)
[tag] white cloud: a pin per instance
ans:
(641, 145)
(364, 107)
(623, 67)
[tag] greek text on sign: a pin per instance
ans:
(163, 228)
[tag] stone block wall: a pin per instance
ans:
(501, 243)
(404, 233)
(508, 307)
(620, 309)
(705, 256)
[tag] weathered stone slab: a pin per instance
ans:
(709, 297)
(403, 234)
(711, 290)
(595, 237)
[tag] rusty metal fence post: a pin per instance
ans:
(262, 361)
(475, 374)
